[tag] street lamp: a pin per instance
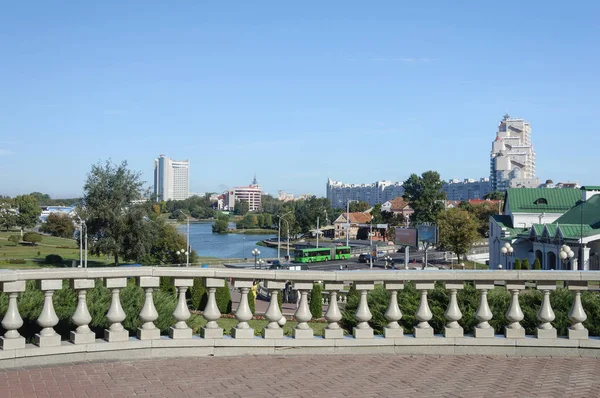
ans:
(255, 253)
(507, 250)
(566, 254)
(183, 252)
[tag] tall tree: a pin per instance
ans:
(458, 230)
(29, 211)
(58, 224)
(425, 195)
(115, 225)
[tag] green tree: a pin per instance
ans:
(517, 264)
(115, 224)
(525, 264)
(29, 211)
(220, 227)
(494, 195)
(14, 239)
(58, 224)
(8, 214)
(32, 237)
(359, 207)
(457, 230)
(425, 195)
(316, 301)
(537, 265)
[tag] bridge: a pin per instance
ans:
(273, 364)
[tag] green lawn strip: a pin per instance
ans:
(196, 321)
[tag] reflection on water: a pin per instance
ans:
(205, 243)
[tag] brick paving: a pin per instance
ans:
(311, 376)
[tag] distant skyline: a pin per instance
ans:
(294, 93)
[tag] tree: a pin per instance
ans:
(29, 211)
(241, 207)
(494, 195)
(58, 224)
(32, 237)
(458, 230)
(517, 264)
(115, 224)
(220, 226)
(425, 195)
(358, 207)
(525, 264)
(537, 265)
(8, 214)
(14, 239)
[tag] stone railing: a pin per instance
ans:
(116, 343)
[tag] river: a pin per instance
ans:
(207, 244)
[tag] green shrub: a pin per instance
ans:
(198, 295)
(223, 298)
(537, 265)
(316, 306)
(14, 239)
(517, 264)
(53, 259)
(525, 264)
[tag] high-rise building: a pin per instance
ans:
(512, 160)
(339, 193)
(171, 179)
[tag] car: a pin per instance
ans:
(365, 258)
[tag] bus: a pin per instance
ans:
(313, 255)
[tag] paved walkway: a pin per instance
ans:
(312, 376)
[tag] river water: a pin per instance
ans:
(205, 243)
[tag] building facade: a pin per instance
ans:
(171, 179)
(340, 193)
(467, 189)
(512, 159)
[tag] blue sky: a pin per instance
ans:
(296, 93)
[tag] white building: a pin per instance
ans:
(512, 159)
(171, 179)
(467, 189)
(339, 193)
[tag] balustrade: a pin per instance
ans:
(13, 284)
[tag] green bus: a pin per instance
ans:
(314, 254)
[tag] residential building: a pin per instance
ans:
(340, 193)
(398, 206)
(467, 189)
(355, 219)
(524, 208)
(512, 159)
(171, 179)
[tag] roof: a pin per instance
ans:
(585, 212)
(398, 204)
(541, 200)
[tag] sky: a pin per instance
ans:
(294, 92)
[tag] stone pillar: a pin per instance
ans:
(453, 314)
(273, 314)
(181, 314)
(423, 315)
(243, 314)
(333, 314)
(514, 315)
(12, 320)
(577, 315)
(363, 315)
(484, 314)
(48, 319)
(393, 313)
(82, 318)
(303, 315)
(211, 311)
(148, 314)
(545, 314)
(115, 315)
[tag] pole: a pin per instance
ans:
(317, 232)
(86, 247)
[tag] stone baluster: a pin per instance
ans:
(12, 320)
(393, 313)
(211, 312)
(577, 314)
(453, 314)
(303, 315)
(273, 330)
(423, 315)
(363, 315)
(545, 314)
(115, 315)
(181, 314)
(48, 319)
(148, 314)
(82, 318)
(243, 314)
(333, 314)
(483, 329)
(514, 315)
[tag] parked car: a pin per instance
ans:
(365, 258)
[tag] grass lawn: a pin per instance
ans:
(196, 321)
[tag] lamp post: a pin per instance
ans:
(507, 250)
(565, 255)
(255, 253)
(182, 252)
